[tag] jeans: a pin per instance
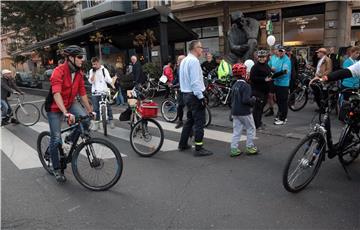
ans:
(120, 98)
(55, 119)
(195, 118)
(4, 109)
(282, 94)
(238, 123)
(95, 101)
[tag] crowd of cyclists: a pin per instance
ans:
(270, 80)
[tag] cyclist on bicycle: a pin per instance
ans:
(67, 81)
(8, 87)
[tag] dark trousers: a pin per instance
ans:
(282, 94)
(319, 95)
(180, 106)
(195, 119)
(258, 107)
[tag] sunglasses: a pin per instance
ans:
(80, 56)
(200, 47)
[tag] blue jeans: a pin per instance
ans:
(95, 101)
(120, 98)
(55, 119)
(4, 109)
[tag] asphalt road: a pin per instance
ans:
(174, 190)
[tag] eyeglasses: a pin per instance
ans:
(80, 56)
(200, 47)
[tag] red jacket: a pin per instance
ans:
(168, 72)
(61, 83)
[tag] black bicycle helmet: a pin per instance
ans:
(73, 50)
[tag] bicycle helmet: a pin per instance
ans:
(73, 50)
(239, 69)
(262, 53)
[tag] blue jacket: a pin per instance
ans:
(352, 82)
(280, 64)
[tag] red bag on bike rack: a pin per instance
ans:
(148, 109)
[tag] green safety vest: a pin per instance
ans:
(224, 71)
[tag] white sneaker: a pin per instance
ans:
(112, 125)
(280, 122)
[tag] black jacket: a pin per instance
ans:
(208, 66)
(241, 99)
(139, 76)
(258, 74)
(7, 87)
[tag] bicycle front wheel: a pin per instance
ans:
(43, 111)
(169, 110)
(27, 114)
(146, 137)
(304, 163)
(298, 99)
(43, 143)
(103, 119)
(97, 164)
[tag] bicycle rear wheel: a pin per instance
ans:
(43, 111)
(146, 137)
(27, 114)
(351, 146)
(169, 110)
(207, 116)
(298, 99)
(304, 163)
(97, 164)
(43, 142)
(103, 119)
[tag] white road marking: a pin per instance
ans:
(42, 126)
(209, 133)
(29, 102)
(20, 153)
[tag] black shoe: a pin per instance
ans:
(179, 125)
(202, 153)
(14, 121)
(59, 176)
(261, 127)
(4, 122)
(183, 148)
(269, 113)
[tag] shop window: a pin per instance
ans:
(304, 30)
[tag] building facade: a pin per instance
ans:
(304, 25)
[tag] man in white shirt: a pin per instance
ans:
(98, 77)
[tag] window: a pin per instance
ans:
(304, 30)
(165, 2)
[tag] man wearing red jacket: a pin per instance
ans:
(67, 81)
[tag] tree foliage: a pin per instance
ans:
(41, 19)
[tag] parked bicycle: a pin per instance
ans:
(302, 92)
(96, 163)
(219, 92)
(170, 105)
(151, 87)
(305, 160)
(26, 113)
(146, 135)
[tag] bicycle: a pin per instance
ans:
(169, 108)
(91, 155)
(219, 92)
(302, 93)
(150, 87)
(103, 108)
(313, 148)
(25, 112)
(146, 135)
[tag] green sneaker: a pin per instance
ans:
(235, 152)
(251, 150)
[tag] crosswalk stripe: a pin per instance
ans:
(209, 133)
(42, 126)
(20, 153)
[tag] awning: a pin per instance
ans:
(123, 28)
